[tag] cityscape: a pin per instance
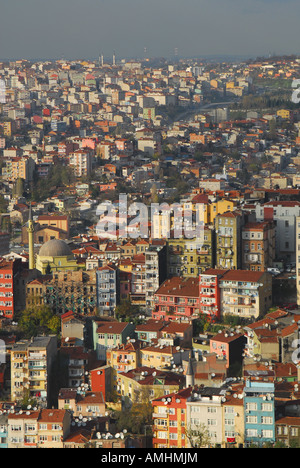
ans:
(149, 247)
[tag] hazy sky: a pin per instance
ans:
(86, 28)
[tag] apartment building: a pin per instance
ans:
(81, 162)
(233, 422)
(209, 293)
(259, 403)
(107, 335)
(146, 383)
(73, 328)
(81, 403)
(284, 215)
(204, 409)
(258, 246)
(108, 289)
(247, 294)
(138, 283)
(124, 357)
(190, 257)
(46, 428)
(169, 420)
(177, 298)
(31, 367)
(150, 330)
(228, 345)
(75, 361)
(228, 228)
(10, 271)
(208, 210)
(163, 356)
(19, 168)
(155, 272)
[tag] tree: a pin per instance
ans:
(27, 400)
(154, 194)
(125, 310)
(198, 437)
(38, 319)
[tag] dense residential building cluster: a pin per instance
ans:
(149, 254)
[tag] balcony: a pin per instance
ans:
(160, 415)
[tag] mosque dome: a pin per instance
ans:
(55, 248)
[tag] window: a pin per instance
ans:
(162, 422)
(251, 432)
(211, 409)
(16, 428)
(195, 409)
(251, 419)
(267, 407)
(56, 427)
(30, 427)
(294, 431)
(229, 422)
(267, 434)
(211, 422)
(195, 422)
(266, 420)
(251, 406)
(229, 409)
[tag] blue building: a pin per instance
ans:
(58, 126)
(259, 406)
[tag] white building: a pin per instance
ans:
(205, 410)
(284, 214)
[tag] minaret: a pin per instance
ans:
(30, 231)
(190, 380)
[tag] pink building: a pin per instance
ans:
(90, 143)
(177, 298)
(228, 345)
(209, 292)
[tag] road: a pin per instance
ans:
(192, 112)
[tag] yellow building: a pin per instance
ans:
(284, 113)
(8, 128)
(228, 239)
(219, 207)
(147, 383)
(160, 356)
(189, 257)
(233, 418)
(206, 210)
(123, 357)
(19, 168)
